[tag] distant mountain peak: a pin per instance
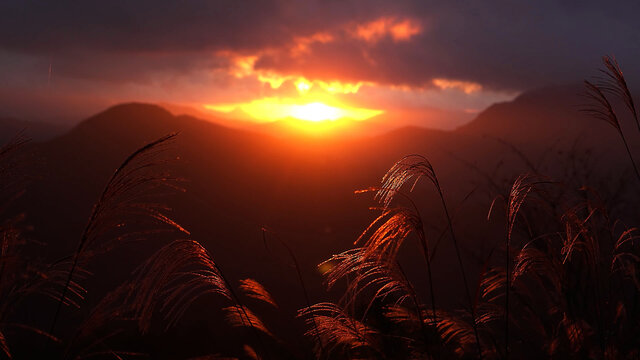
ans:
(134, 109)
(548, 112)
(127, 121)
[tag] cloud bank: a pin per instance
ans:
(195, 50)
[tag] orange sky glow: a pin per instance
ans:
(341, 71)
(283, 95)
(319, 104)
(401, 63)
(314, 100)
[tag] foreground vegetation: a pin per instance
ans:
(562, 282)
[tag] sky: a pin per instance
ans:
(427, 63)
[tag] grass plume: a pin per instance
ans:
(121, 192)
(416, 167)
(601, 108)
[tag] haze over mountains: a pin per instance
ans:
(37, 131)
(302, 188)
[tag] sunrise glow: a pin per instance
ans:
(273, 109)
(316, 112)
(311, 99)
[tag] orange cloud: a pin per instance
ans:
(465, 86)
(337, 87)
(301, 44)
(398, 29)
(241, 66)
(244, 67)
(274, 80)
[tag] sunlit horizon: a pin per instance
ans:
(274, 109)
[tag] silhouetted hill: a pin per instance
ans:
(536, 116)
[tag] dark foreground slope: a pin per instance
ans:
(302, 188)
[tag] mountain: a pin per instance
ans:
(548, 113)
(302, 188)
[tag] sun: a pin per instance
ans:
(312, 110)
(316, 111)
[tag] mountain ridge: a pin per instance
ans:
(551, 101)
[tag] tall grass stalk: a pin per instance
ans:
(242, 310)
(110, 189)
(601, 108)
(615, 83)
(519, 191)
(418, 166)
(462, 270)
(422, 239)
(296, 265)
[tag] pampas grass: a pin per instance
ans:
(122, 194)
(416, 167)
(338, 329)
(613, 82)
(255, 290)
(571, 289)
(601, 108)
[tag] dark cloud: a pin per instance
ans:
(116, 25)
(161, 25)
(503, 45)
(134, 67)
